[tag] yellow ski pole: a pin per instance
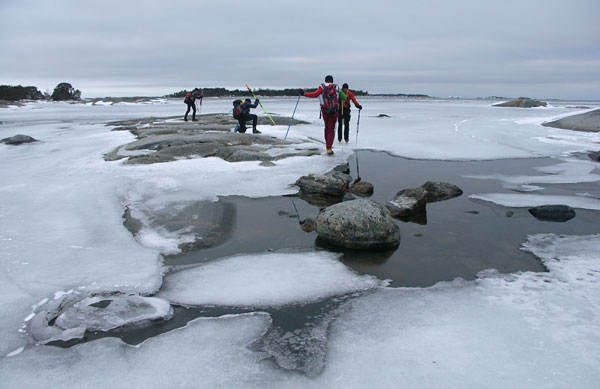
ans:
(263, 108)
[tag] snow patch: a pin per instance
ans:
(265, 280)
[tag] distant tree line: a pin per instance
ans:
(409, 95)
(63, 91)
(15, 93)
(223, 92)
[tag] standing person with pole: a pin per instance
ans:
(344, 118)
(329, 96)
(190, 100)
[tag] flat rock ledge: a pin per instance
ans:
(18, 140)
(358, 224)
(166, 140)
(586, 122)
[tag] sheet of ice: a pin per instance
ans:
(60, 218)
(447, 130)
(522, 200)
(211, 353)
(263, 280)
(529, 330)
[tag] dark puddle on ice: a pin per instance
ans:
(462, 237)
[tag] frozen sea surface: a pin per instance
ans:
(61, 208)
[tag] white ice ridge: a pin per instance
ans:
(261, 280)
(522, 200)
(567, 172)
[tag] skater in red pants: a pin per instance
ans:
(329, 95)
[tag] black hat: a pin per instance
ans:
(248, 100)
(345, 86)
(329, 78)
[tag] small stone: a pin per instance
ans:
(362, 188)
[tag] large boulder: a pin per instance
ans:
(320, 184)
(439, 191)
(18, 140)
(588, 122)
(522, 102)
(594, 156)
(553, 213)
(358, 224)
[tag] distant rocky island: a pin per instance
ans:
(522, 102)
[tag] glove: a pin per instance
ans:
(359, 107)
(256, 101)
(301, 92)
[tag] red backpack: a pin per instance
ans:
(330, 100)
(188, 98)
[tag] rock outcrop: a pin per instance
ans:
(407, 203)
(163, 140)
(523, 102)
(321, 185)
(440, 191)
(587, 122)
(18, 140)
(358, 224)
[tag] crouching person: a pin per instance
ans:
(241, 112)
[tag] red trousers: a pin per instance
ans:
(330, 120)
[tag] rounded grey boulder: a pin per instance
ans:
(358, 224)
(553, 213)
(18, 140)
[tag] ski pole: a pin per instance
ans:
(291, 121)
(297, 214)
(259, 103)
(356, 148)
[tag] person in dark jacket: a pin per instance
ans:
(190, 100)
(344, 118)
(244, 116)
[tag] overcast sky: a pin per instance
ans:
(468, 48)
